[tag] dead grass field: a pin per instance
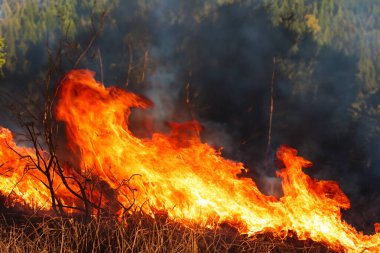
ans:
(138, 233)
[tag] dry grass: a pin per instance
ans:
(141, 234)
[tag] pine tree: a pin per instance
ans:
(2, 55)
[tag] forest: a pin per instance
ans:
(255, 74)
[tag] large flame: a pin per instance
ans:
(186, 178)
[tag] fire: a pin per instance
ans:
(23, 176)
(182, 176)
(15, 177)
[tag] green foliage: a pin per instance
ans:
(30, 23)
(67, 17)
(2, 54)
(351, 27)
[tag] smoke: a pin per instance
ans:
(230, 55)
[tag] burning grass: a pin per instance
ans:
(137, 233)
(118, 173)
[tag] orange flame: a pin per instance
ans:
(15, 178)
(188, 179)
(22, 177)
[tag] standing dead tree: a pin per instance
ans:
(271, 110)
